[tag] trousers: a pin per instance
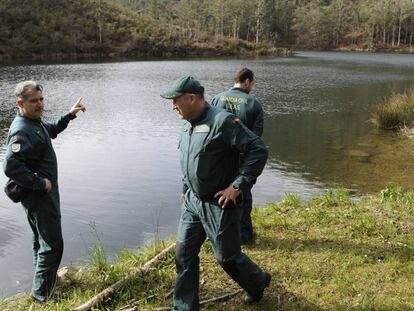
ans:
(43, 214)
(200, 220)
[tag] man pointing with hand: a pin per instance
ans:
(31, 162)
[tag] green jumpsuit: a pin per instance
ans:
(29, 159)
(209, 153)
(239, 102)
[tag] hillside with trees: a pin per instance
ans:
(318, 24)
(90, 28)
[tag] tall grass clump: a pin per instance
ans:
(396, 111)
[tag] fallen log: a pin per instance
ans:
(118, 285)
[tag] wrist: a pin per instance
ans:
(72, 115)
(236, 188)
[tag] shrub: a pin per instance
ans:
(396, 111)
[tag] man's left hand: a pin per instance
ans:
(227, 195)
(78, 106)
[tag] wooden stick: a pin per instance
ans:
(204, 302)
(155, 309)
(167, 295)
(220, 298)
(116, 286)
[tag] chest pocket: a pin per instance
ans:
(210, 159)
(40, 145)
(212, 145)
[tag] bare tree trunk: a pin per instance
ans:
(236, 28)
(399, 32)
(98, 14)
(406, 32)
(384, 30)
(257, 30)
(393, 35)
(248, 32)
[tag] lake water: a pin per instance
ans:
(118, 162)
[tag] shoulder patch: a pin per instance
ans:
(15, 147)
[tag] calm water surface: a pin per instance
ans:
(118, 163)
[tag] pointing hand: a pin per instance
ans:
(78, 106)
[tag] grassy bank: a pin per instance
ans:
(396, 111)
(331, 253)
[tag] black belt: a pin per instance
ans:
(205, 197)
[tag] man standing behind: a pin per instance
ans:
(239, 102)
(210, 144)
(31, 162)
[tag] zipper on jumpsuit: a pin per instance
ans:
(190, 132)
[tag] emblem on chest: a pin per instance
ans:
(201, 128)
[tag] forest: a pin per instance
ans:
(90, 28)
(318, 24)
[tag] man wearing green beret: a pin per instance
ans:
(241, 103)
(210, 144)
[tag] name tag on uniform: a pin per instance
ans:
(202, 128)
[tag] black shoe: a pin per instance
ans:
(37, 301)
(249, 299)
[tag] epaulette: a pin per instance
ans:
(236, 120)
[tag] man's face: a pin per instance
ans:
(31, 106)
(184, 106)
(249, 84)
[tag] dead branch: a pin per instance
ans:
(155, 309)
(167, 295)
(118, 285)
(204, 302)
(221, 298)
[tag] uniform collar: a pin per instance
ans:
(29, 119)
(201, 116)
(240, 89)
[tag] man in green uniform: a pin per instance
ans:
(213, 177)
(31, 162)
(239, 102)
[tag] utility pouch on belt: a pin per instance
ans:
(15, 192)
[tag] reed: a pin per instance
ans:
(396, 111)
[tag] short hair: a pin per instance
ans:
(24, 87)
(244, 74)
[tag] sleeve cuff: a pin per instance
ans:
(40, 185)
(240, 184)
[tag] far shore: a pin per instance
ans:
(205, 51)
(182, 52)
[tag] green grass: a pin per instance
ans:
(333, 252)
(396, 111)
